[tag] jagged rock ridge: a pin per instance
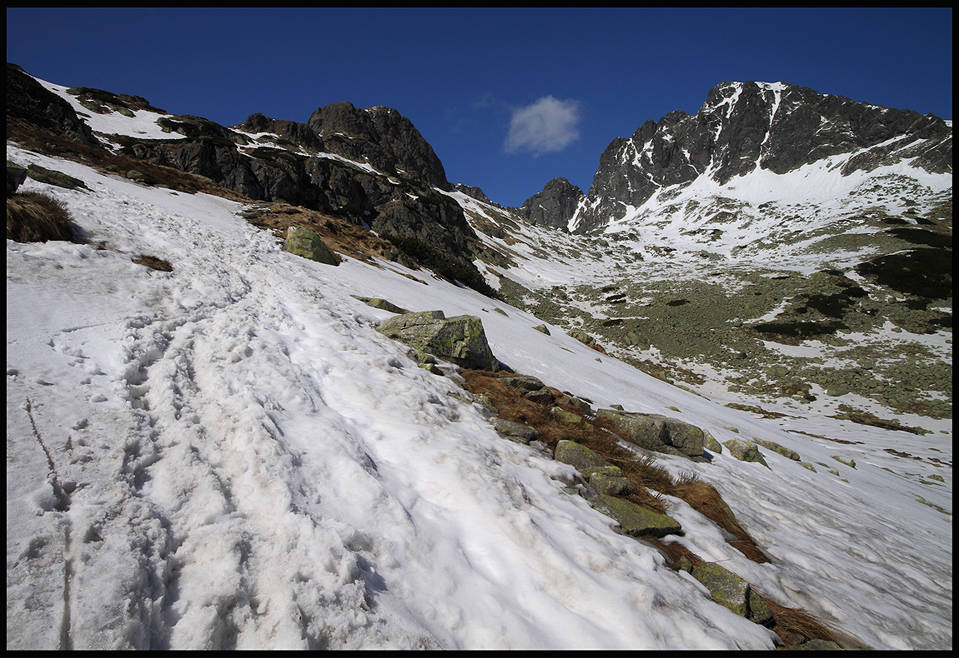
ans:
(743, 126)
(371, 167)
(554, 206)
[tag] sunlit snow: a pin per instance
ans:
(247, 463)
(230, 456)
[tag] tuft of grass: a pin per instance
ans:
(36, 217)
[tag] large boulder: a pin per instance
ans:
(731, 591)
(304, 242)
(656, 432)
(745, 451)
(638, 521)
(460, 340)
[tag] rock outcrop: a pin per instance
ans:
(554, 206)
(30, 103)
(460, 340)
(304, 242)
(656, 432)
(745, 451)
(743, 126)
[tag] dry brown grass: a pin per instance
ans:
(36, 217)
(337, 234)
(43, 141)
(795, 626)
(650, 480)
(704, 498)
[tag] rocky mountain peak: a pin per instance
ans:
(742, 126)
(380, 135)
(554, 205)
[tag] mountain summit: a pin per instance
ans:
(745, 126)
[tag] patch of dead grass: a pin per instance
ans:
(36, 217)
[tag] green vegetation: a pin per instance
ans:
(447, 266)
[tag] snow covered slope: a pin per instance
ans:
(229, 455)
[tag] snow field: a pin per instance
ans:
(253, 466)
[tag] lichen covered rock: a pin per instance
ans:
(304, 242)
(745, 451)
(515, 431)
(726, 588)
(656, 432)
(638, 521)
(580, 457)
(460, 340)
(775, 447)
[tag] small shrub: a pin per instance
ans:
(36, 217)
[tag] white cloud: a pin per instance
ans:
(546, 126)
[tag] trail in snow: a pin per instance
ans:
(259, 469)
(244, 462)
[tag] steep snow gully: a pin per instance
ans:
(229, 455)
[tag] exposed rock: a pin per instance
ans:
(848, 461)
(775, 447)
(656, 432)
(554, 205)
(15, 177)
(53, 177)
(487, 408)
(377, 302)
(304, 242)
(29, 103)
(580, 406)
(611, 484)
(747, 125)
(759, 612)
(688, 438)
(140, 177)
(638, 521)
(580, 457)
(726, 588)
(565, 417)
(515, 431)
(745, 451)
(712, 444)
(542, 329)
(533, 389)
(473, 192)
(581, 336)
(460, 340)
(380, 135)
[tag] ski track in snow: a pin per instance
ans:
(229, 456)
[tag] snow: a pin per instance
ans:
(229, 455)
(142, 124)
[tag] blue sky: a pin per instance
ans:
(508, 98)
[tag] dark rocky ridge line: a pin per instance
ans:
(399, 199)
(741, 127)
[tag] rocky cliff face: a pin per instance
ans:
(749, 125)
(554, 206)
(371, 167)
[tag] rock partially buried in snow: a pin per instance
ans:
(655, 432)
(638, 521)
(727, 588)
(515, 431)
(304, 242)
(460, 340)
(745, 451)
